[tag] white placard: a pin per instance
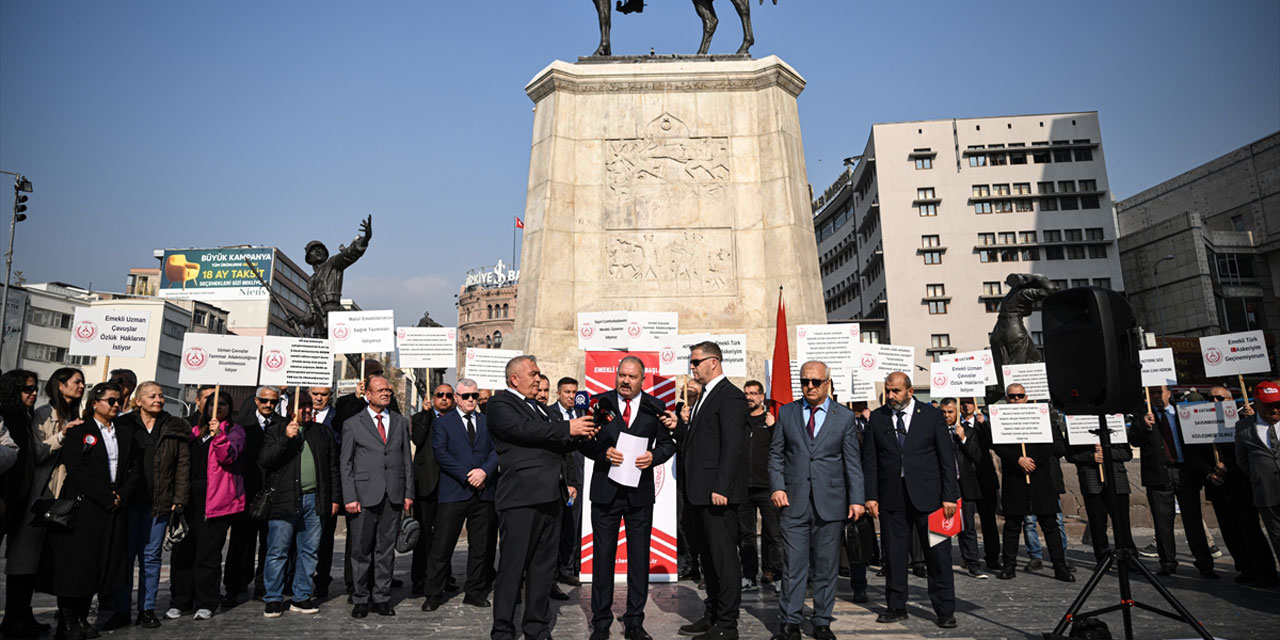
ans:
(733, 348)
(209, 358)
(884, 359)
(795, 379)
(488, 367)
(828, 343)
(632, 447)
(602, 330)
(1157, 367)
(1020, 424)
(1206, 422)
(362, 331)
(107, 331)
(863, 388)
(1033, 377)
(957, 379)
(296, 361)
(673, 353)
(983, 356)
(646, 330)
(1079, 428)
(427, 347)
(1234, 354)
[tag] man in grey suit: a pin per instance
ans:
(377, 478)
(815, 469)
(1258, 453)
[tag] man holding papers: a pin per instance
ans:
(625, 450)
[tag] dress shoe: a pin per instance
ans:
(384, 609)
(1034, 564)
(860, 596)
(557, 594)
(789, 632)
(477, 601)
(600, 633)
(148, 620)
(570, 580)
(696, 628)
(431, 604)
(1007, 574)
(1209, 574)
(360, 611)
(396, 583)
(1167, 570)
(892, 615)
(1064, 574)
(823, 632)
(87, 629)
(717, 633)
(118, 620)
(636, 633)
(946, 622)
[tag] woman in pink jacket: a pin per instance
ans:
(217, 492)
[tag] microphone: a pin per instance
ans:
(652, 406)
(581, 403)
(605, 411)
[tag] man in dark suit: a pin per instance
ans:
(531, 493)
(968, 452)
(910, 469)
(322, 412)
(377, 482)
(1098, 506)
(1230, 491)
(714, 441)
(468, 466)
(248, 538)
(426, 476)
(1171, 470)
(571, 526)
(353, 403)
(1258, 454)
(988, 480)
(613, 503)
(815, 471)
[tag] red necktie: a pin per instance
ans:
(626, 415)
(382, 432)
(812, 412)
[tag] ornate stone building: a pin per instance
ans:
(487, 308)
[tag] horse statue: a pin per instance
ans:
(705, 11)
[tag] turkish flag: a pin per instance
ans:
(519, 223)
(780, 387)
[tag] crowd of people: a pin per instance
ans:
(99, 482)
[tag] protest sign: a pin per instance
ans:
(1234, 354)
(884, 359)
(602, 330)
(828, 343)
(957, 379)
(1033, 377)
(362, 331)
(209, 358)
(488, 367)
(107, 331)
(1020, 423)
(306, 362)
(1208, 422)
(673, 353)
(1157, 367)
(1079, 428)
(733, 348)
(427, 347)
(646, 330)
(983, 356)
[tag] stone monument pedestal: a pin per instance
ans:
(674, 185)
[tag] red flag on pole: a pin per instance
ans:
(519, 223)
(780, 388)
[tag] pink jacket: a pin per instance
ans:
(225, 493)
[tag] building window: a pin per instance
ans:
(1069, 204)
(1027, 237)
(1003, 206)
(992, 289)
(987, 238)
(1017, 157)
(924, 163)
(1054, 253)
(1088, 185)
(81, 361)
(930, 241)
(1232, 268)
(1048, 204)
(982, 207)
(933, 257)
(198, 318)
(169, 361)
(992, 306)
(940, 341)
(1000, 189)
(1030, 254)
(1075, 252)
(1053, 235)
(45, 352)
(1240, 314)
(1045, 187)
(1075, 235)
(1061, 155)
(1058, 284)
(1089, 202)
(1022, 189)
(505, 310)
(982, 191)
(925, 193)
(977, 159)
(48, 318)
(1237, 223)
(1094, 233)
(1104, 283)
(987, 255)
(1022, 205)
(927, 210)
(1079, 282)
(173, 329)
(497, 339)
(935, 290)
(1009, 255)
(1040, 156)
(1008, 237)
(1083, 155)
(937, 307)
(1098, 251)
(1066, 186)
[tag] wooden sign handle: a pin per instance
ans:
(1244, 391)
(1027, 476)
(213, 412)
(106, 369)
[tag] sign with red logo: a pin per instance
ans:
(1020, 424)
(195, 358)
(1235, 354)
(488, 367)
(981, 357)
(1080, 430)
(957, 379)
(116, 331)
(220, 359)
(362, 331)
(427, 347)
(306, 362)
(85, 331)
(1205, 422)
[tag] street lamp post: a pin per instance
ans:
(1159, 305)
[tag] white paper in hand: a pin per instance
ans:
(632, 447)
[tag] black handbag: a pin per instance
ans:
(260, 506)
(176, 530)
(55, 514)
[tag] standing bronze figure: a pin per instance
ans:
(325, 285)
(1010, 341)
(705, 11)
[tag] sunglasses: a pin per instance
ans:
(268, 400)
(468, 396)
(110, 401)
(442, 395)
(31, 388)
(1016, 396)
(812, 382)
(695, 362)
(1219, 398)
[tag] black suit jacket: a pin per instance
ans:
(968, 454)
(531, 445)
(254, 437)
(642, 426)
(929, 460)
(715, 447)
(351, 404)
(426, 473)
(1155, 463)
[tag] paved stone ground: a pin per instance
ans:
(987, 609)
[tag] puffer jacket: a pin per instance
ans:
(225, 493)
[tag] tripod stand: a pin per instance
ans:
(1122, 557)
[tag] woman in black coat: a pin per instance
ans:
(18, 391)
(101, 464)
(1030, 488)
(1088, 461)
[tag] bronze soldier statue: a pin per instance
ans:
(325, 285)
(1010, 341)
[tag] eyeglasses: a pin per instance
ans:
(1219, 398)
(812, 382)
(31, 388)
(268, 400)
(468, 396)
(110, 401)
(442, 395)
(1016, 396)
(694, 362)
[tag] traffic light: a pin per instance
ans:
(19, 200)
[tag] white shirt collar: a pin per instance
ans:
(374, 414)
(463, 414)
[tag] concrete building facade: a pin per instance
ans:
(916, 237)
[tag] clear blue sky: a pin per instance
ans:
(158, 124)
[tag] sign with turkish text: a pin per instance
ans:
(1206, 422)
(362, 331)
(883, 359)
(306, 362)
(1234, 354)
(733, 348)
(209, 358)
(427, 347)
(1020, 423)
(488, 367)
(109, 331)
(957, 379)
(1033, 377)
(1157, 367)
(600, 330)
(983, 356)
(1079, 428)
(646, 330)
(216, 274)
(827, 343)
(673, 353)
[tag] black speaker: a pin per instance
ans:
(1091, 341)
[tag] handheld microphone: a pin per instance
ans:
(606, 410)
(652, 406)
(581, 403)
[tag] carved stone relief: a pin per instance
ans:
(666, 178)
(654, 262)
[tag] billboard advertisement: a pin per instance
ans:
(216, 274)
